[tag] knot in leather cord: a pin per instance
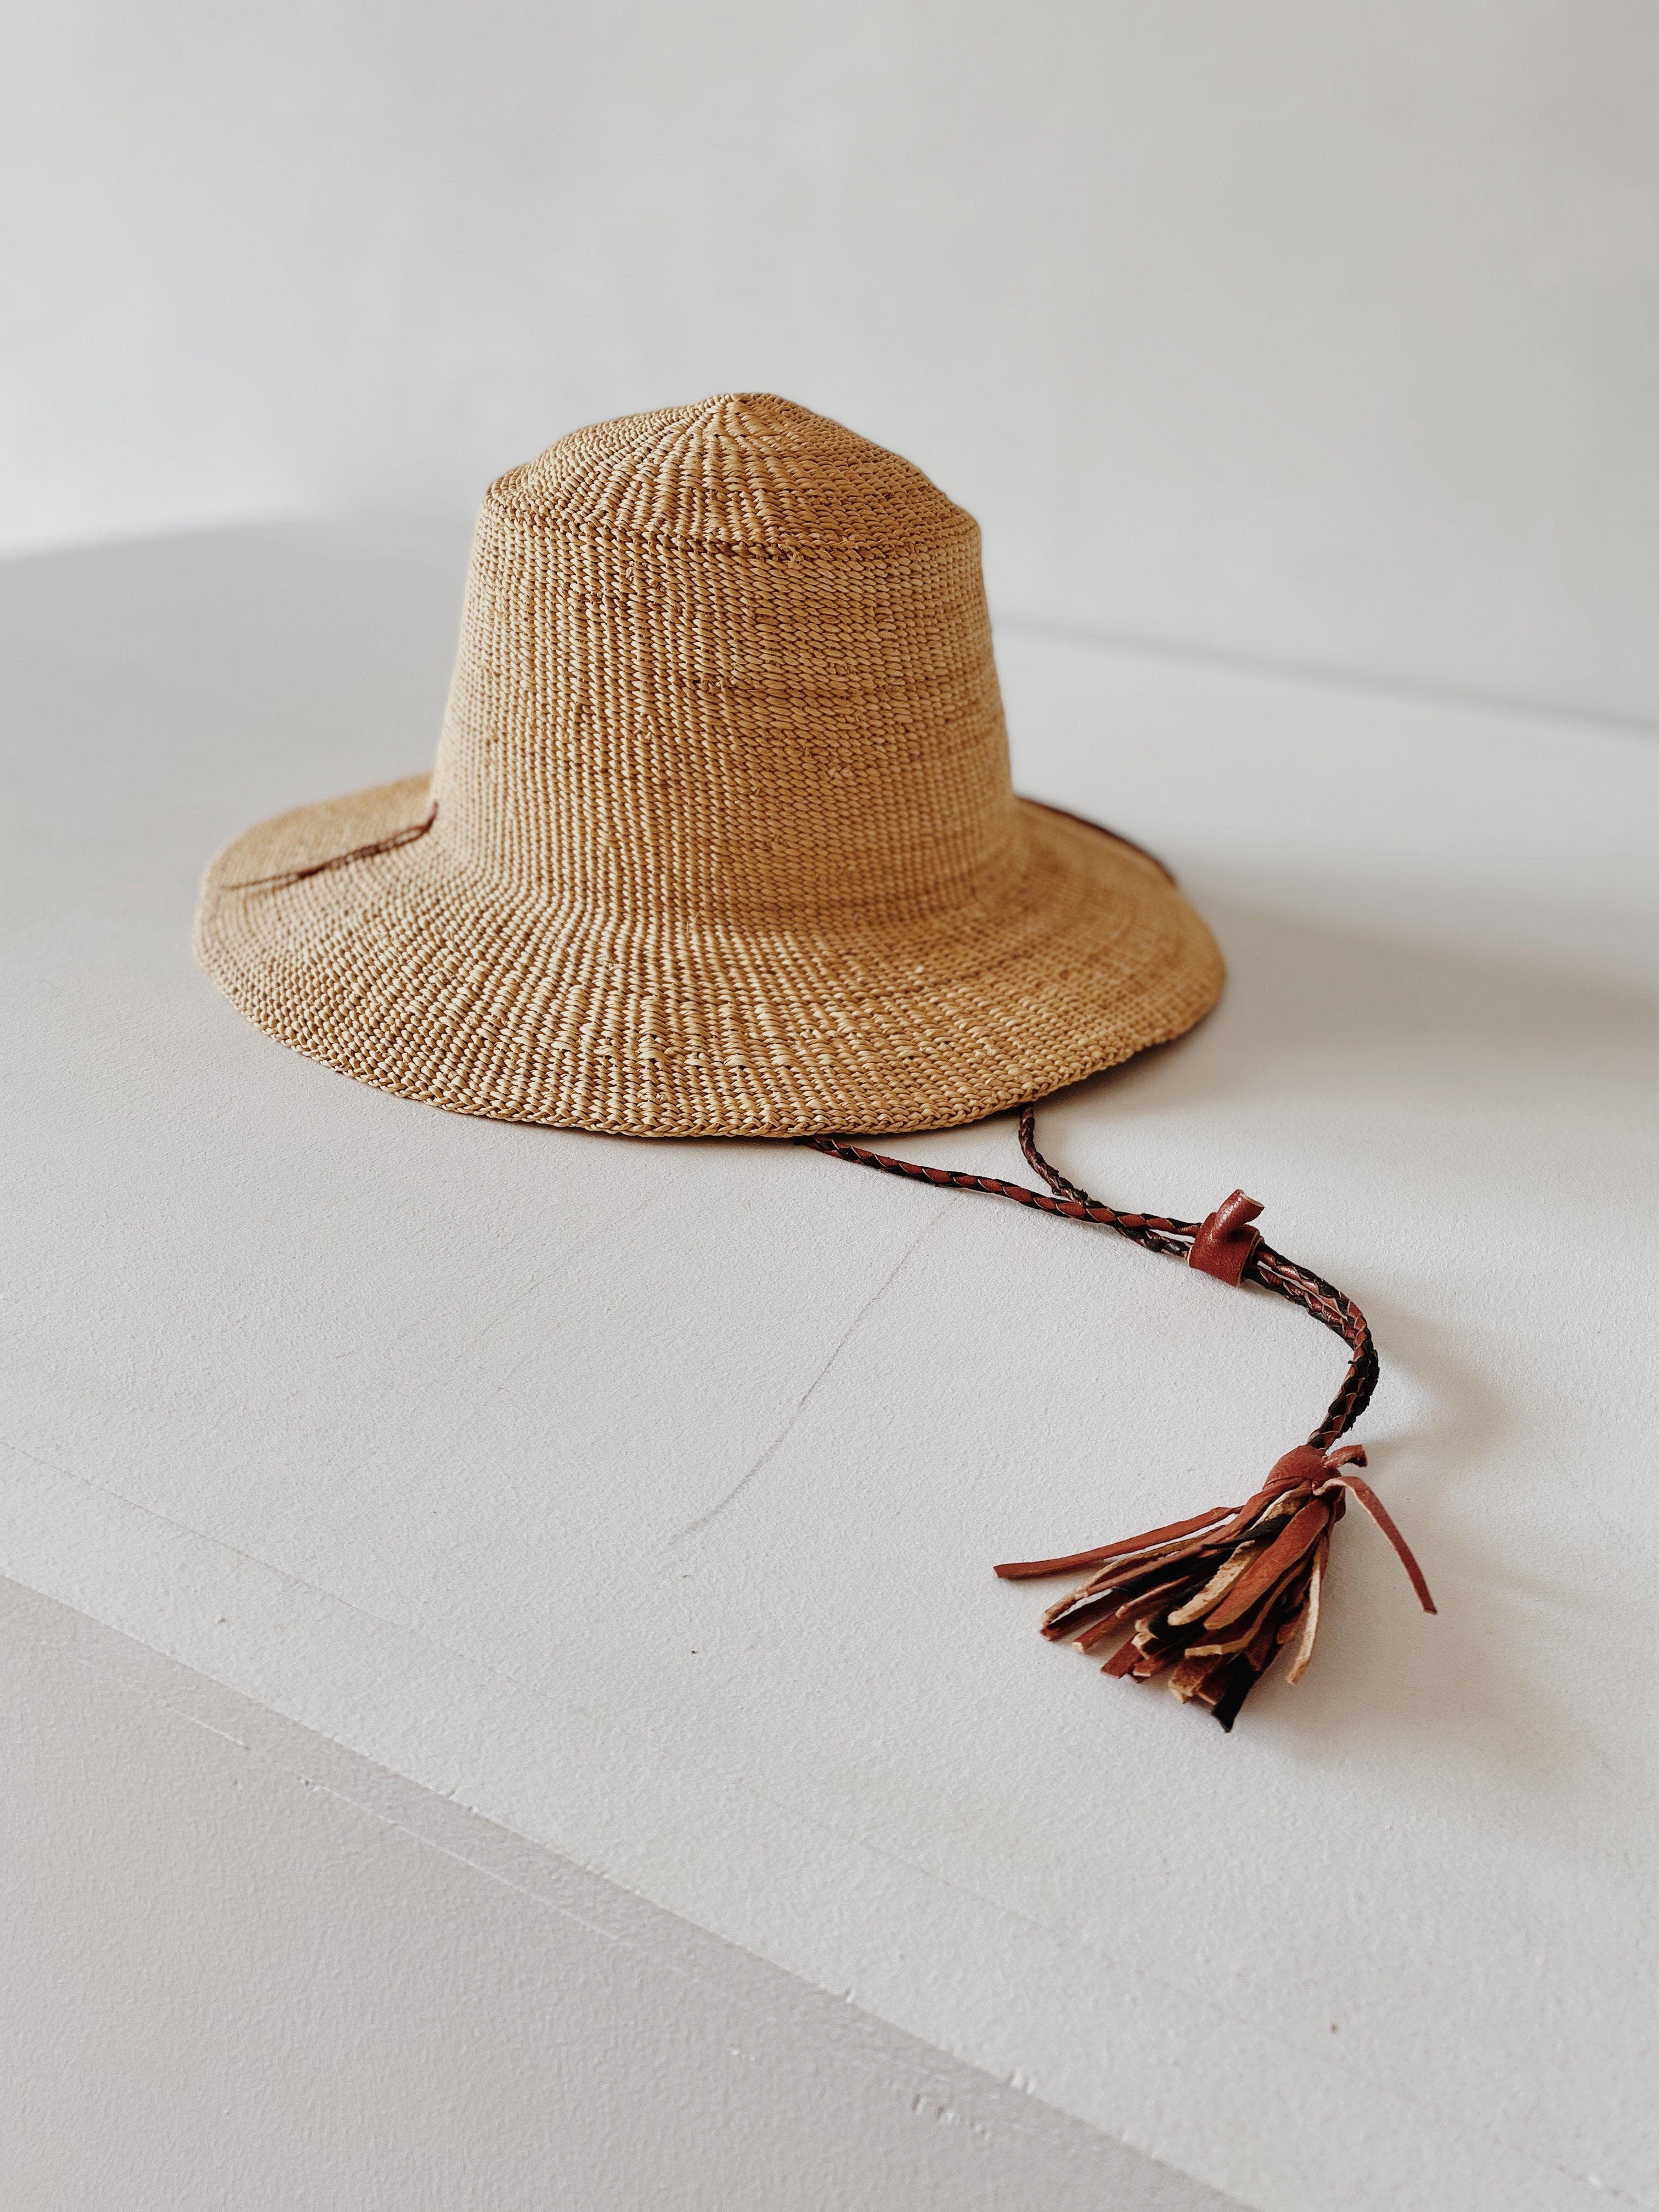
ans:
(1225, 1242)
(1306, 1464)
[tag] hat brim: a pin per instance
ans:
(414, 972)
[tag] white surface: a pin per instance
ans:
(240, 1966)
(644, 1497)
(1320, 333)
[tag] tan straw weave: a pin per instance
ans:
(724, 841)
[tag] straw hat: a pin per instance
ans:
(721, 842)
(720, 839)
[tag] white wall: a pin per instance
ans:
(1323, 334)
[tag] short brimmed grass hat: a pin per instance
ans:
(724, 841)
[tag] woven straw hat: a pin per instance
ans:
(721, 842)
(720, 839)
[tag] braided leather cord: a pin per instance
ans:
(1157, 1232)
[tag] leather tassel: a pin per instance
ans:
(1207, 1605)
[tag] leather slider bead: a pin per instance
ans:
(1225, 1240)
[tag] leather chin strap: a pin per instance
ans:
(1223, 1244)
(1208, 1602)
(390, 843)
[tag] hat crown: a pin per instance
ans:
(745, 468)
(728, 662)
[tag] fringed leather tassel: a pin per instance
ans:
(1209, 1603)
(1206, 1605)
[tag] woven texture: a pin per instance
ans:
(725, 840)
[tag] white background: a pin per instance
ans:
(1314, 333)
(642, 1498)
